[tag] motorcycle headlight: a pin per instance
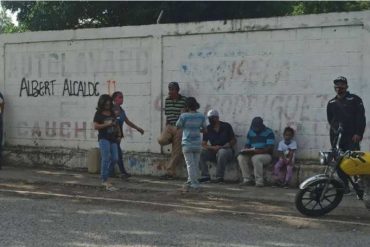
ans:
(323, 158)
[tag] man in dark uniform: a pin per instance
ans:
(348, 110)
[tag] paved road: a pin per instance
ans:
(45, 215)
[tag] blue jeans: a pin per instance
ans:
(109, 157)
(192, 161)
(119, 162)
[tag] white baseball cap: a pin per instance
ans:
(212, 113)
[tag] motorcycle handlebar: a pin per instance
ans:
(361, 159)
(357, 155)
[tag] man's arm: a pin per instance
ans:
(166, 110)
(210, 147)
(232, 140)
(230, 144)
(329, 114)
(2, 103)
(360, 118)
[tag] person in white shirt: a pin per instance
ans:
(283, 169)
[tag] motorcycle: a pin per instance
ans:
(320, 194)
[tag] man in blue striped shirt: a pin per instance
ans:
(257, 153)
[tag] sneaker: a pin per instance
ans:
(247, 183)
(204, 179)
(109, 186)
(127, 174)
(185, 187)
(124, 175)
(285, 185)
(217, 180)
(105, 184)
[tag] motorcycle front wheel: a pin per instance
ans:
(308, 201)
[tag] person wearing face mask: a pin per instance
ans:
(347, 110)
(217, 146)
(257, 153)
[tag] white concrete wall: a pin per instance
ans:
(278, 68)
(72, 75)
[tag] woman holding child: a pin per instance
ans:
(106, 124)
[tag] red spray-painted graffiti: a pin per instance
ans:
(111, 84)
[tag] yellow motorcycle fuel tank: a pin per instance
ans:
(353, 166)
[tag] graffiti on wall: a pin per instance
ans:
(243, 83)
(278, 110)
(75, 73)
(36, 88)
(111, 84)
(222, 66)
(80, 130)
(133, 61)
(80, 88)
(56, 129)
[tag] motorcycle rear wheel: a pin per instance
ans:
(308, 202)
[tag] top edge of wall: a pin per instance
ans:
(357, 18)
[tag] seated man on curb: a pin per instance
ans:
(221, 138)
(257, 153)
